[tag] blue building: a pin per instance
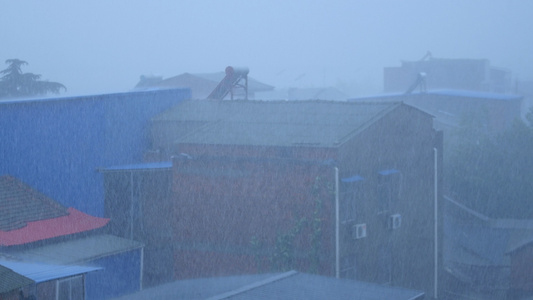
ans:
(56, 144)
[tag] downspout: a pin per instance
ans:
(337, 225)
(435, 233)
(131, 205)
(142, 269)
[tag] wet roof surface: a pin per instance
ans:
(272, 123)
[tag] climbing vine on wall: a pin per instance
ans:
(285, 255)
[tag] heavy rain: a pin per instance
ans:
(266, 150)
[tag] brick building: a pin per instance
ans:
(338, 188)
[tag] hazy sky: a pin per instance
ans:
(104, 46)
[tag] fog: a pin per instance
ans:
(102, 46)
(154, 194)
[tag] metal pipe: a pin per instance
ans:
(337, 235)
(131, 205)
(142, 269)
(436, 231)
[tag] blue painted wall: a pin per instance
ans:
(121, 274)
(56, 144)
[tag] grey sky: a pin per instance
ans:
(104, 46)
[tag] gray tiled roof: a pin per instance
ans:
(272, 123)
(20, 204)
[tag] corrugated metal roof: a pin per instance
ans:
(273, 123)
(476, 94)
(11, 280)
(80, 250)
(139, 167)
(289, 285)
(443, 92)
(40, 272)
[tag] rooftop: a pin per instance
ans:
(79, 250)
(29, 216)
(21, 204)
(74, 222)
(443, 92)
(272, 123)
(40, 272)
(289, 285)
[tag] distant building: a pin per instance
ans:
(201, 84)
(458, 74)
(525, 88)
(486, 258)
(303, 94)
(493, 112)
(246, 175)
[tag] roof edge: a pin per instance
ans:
(254, 285)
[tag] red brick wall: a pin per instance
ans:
(303, 153)
(224, 204)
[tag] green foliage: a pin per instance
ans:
(492, 174)
(284, 251)
(283, 256)
(316, 225)
(15, 84)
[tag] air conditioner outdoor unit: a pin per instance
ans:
(359, 231)
(395, 221)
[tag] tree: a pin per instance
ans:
(492, 174)
(15, 84)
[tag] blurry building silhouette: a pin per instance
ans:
(458, 74)
(200, 84)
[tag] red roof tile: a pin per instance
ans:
(74, 222)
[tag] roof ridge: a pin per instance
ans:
(254, 285)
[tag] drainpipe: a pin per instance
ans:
(131, 205)
(337, 237)
(435, 233)
(142, 269)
